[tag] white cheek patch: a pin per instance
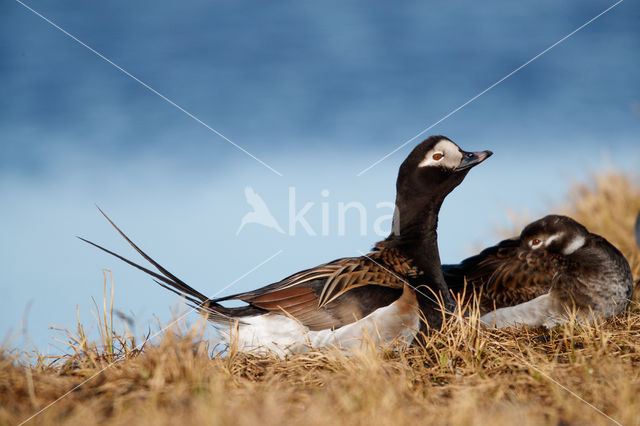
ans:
(553, 238)
(429, 161)
(577, 243)
(451, 155)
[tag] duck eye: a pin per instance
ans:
(438, 156)
(535, 242)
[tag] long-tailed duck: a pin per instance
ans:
(340, 302)
(556, 266)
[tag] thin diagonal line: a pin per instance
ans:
(554, 381)
(551, 379)
(146, 86)
(248, 272)
(533, 367)
(73, 389)
(490, 87)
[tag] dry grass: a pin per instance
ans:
(463, 375)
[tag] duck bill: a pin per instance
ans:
(471, 159)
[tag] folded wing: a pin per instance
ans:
(504, 275)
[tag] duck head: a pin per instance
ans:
(554, 234)
(435, 167)
(430, 172)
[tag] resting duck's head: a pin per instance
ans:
(554, 234)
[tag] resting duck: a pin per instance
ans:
(555, 265)
(340, 302)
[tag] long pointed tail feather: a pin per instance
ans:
(177, 282)
(209, 308)
(167, 279)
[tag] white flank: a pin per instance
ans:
(540, 311)
(282, 335)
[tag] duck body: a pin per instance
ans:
(335, 304)
(556, 265)
(377, 298)
(393, 322)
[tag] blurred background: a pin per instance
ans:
(318, 92)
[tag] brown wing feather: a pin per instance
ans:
(288, 295)
(508, 275)
(328, 296)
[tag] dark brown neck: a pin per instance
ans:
(415, 234)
